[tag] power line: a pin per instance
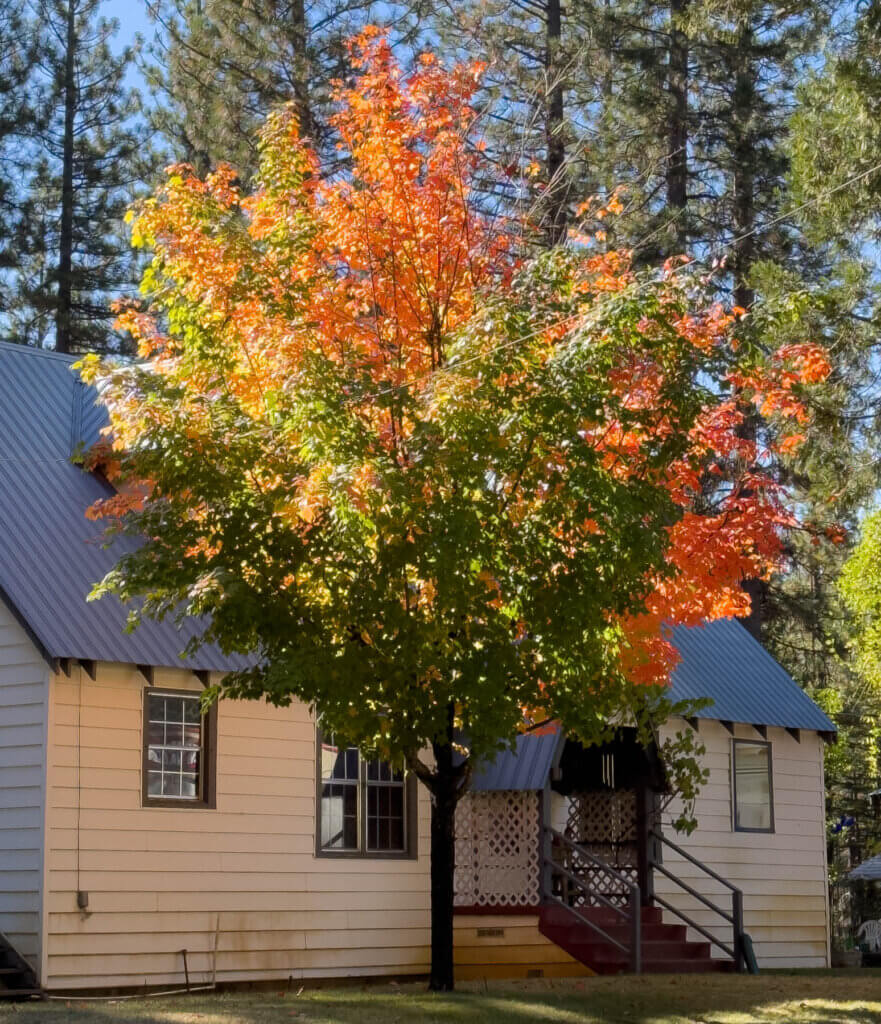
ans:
(691, 263)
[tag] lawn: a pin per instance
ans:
(801, 998)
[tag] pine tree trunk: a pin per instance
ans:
(556, 213)
(64, 302)
(677, 137)
(744, 157)
(300, 36)
(744, 169)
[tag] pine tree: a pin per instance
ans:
(220, 66)
(72, 255)
(835, 149)
(17, 119)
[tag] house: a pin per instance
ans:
(144, 845)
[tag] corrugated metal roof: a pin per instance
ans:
(868, 871)
(526, 767)
(50, 554)
(722, 661)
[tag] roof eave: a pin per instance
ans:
(50, 659)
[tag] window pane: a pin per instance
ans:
(174, 735)
(752, 769)
(173, 748)
(170, 784)
(338, 762)
(385, 815)
(339, 817)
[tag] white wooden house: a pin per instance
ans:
(132, 829)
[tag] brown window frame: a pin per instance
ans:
(411, 812)
(207, 761)
(736, 826)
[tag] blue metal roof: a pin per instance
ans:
(527, 766)
(722, 661)
(50, 553)
(868, 871)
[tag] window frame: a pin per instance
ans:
(207, 761)
(411, 810)
(735, 824)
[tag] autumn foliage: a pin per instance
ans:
(433, 481)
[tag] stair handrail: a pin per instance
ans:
(735, 918)
(549, 867)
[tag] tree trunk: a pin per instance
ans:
(300, 39)
(744, 169)
(64, 301)
(556, 214)
(744, 157)
(677, 135)
(443, 864)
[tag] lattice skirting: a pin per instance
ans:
(497, 850)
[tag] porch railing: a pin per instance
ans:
(735, 919)
(575, 892)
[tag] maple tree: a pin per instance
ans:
(436, 487)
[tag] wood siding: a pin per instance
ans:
(782, 874)
(509, 946)
(23, 714)
(242, 879)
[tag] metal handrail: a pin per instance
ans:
(735, 918)
(692, 859)
(551, 867)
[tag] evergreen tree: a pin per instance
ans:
(836, 149)
(17, 116)
(72, 258)
(219, 66)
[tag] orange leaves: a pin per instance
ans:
(360, 373)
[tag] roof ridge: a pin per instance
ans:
(32, 350)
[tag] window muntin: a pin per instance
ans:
(753, 789)
(175, 749)
(363, 805)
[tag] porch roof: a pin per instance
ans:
(527, 766)
(868, 871)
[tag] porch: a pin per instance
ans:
(573, 837)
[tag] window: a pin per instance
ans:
(365, 808)
(753, 792)
(178, 743)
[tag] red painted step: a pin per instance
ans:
(665, 948)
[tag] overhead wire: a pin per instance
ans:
(691, 262)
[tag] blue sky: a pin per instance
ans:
(133, 19)
(132, 16)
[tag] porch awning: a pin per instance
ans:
(527, 767)
(868, 871)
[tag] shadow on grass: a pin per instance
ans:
(769, 999)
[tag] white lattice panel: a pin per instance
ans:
(497, 850)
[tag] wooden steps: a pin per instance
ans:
(665, 948)
(17, 978)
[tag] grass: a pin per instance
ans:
(828, 997)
